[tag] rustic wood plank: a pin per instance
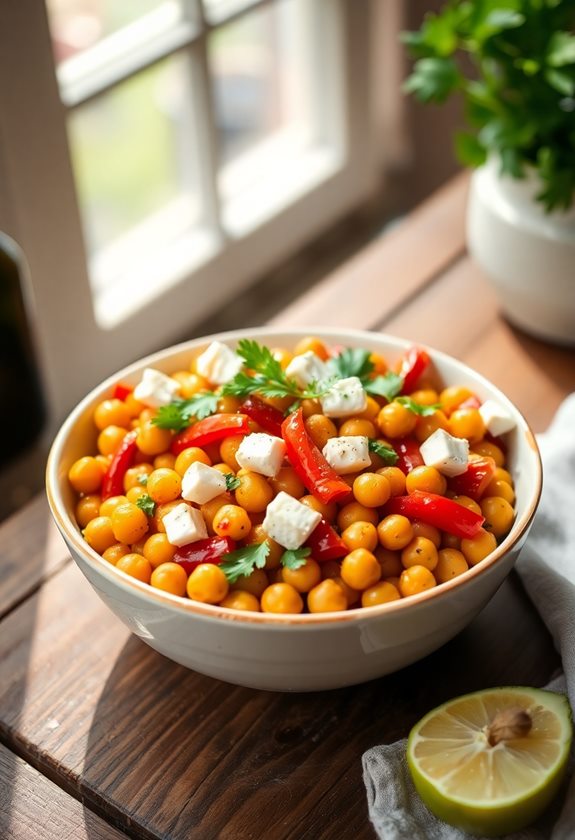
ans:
(389, 271)
(32, 549)
(459, 314)
(34, 808)
(172, 754)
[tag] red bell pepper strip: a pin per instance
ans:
(210, 550)
(113, 481)
(120, 391)
(266, 416)
(408, 454)
(325, 543)
(413, 365)
(209, 430)
(438, 511)
(475, 479)
(308, 462)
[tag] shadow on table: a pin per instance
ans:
(174, 754)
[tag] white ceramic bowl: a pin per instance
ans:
(300, 652)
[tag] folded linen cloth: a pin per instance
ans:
(547, 568)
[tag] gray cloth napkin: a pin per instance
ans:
(547, 568)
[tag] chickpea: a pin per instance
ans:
(352, 596)
(134, 406)
(136, 566)
(390, 562)
(228, 448)
(476, 549)
(450, 563)
(327, 596)
(468, 503)
(450, 541)
(281, 598)
(396, 420)
(135, 493)
(427, 479)
(360, 569)
(490, 450)
(304, 578)
(371, 410)
(232, 521)
(112, 413)
(371, 489)
(414, 580)
(419, 552)
(360, 535)
(357, 426)
(87, 508)
(282, 355)
(395, 478)
(158, 550)
(452, 397)
(164, 485)
(425, 396)
(152, 440)
(310, 407)
(287, 481)
(426, 426)
(498, 487)
(134, 476)
(395, 532)
(422, 529)
(354, 512)
(209, 509)
(254, 492)
(467, 423)
(110, 439)
(114, 552)
(109, 505)
(189, 456)
(382, 593)
(327, 509)
(170, 577)
(85, 475)
(240, 600)
(190, 383)
(208, 584)
(129, 523)
(99, 535)
(313, 344)
(165, 461)
(499, 515)
(257, 536)
(320, 429)
(255, 583)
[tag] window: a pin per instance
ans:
(161, 154)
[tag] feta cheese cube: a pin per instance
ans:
(496, 418)
(344, 398)
(307, 368)
(218, 363)
(201, 484)
(184, 524)
(288, 522)
(347, 454)
(261, 453)
(448, 454)
(155, 388)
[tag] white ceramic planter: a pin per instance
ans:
(528, 255)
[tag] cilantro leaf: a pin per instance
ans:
(179, 414)
(353, 361)
(243, 561)
(417, 408)
(142, 479)
(294, 558)
(258, 357)
(232, 483)
(147, 504)
(389, 385)
(386, 453)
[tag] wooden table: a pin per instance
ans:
(101, 737)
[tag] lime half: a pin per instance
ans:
(492, 761)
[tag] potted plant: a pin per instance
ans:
(513, 61)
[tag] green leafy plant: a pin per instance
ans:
(518, 84)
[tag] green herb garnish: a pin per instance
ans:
(232, 483)
(294, 558)
(147, 504)
(179, 414)
(353, 361)
(386, 453)
(243, 561)
(142, 479)
(389, 385)
(417, 408)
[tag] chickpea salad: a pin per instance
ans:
(309, 479)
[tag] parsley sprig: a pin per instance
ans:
(232, 483)
(147, 504)
(264, 374)
(354, 361)
(243, 561)
(180, 414)
(294, 558)
(417, 408)
(386, 453)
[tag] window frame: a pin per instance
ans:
(39, 207)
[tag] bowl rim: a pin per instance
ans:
(130, 585)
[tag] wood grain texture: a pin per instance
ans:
(174, 755)
(32, 549)
(34, 808)
(389, 271)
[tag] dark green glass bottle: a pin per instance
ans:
(22, 410)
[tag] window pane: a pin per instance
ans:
(136, 168)
(77, 25)
(259, 74)
(219, 10)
